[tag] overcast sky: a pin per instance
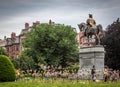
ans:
(15, 13)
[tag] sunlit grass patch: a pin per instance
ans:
(58, 83)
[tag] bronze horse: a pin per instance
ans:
(89, 32)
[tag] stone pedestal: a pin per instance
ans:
(88, 57)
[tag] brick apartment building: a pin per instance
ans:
(22, 35)
(13, 45)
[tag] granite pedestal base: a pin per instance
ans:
(89, 56)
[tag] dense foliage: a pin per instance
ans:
(23, 62)
(7, 70)
(53, 44)
(112, 45)
(2, 51)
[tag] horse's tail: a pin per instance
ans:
(99, 28)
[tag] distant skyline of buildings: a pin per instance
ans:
(13, 44)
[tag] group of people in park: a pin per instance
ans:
(55, 73)
(108, 74)
(48, 73)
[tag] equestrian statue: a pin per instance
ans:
(90, 29)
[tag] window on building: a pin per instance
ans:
(17, 48)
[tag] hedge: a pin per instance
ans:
(7, 70)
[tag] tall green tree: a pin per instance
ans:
(112, 45)
(52, 44)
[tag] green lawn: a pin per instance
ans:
(58, 83)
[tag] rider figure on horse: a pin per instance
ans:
(91, 22)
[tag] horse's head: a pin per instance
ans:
(82, 26)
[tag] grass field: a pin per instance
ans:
(58, 83)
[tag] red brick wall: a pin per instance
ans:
(13, 50)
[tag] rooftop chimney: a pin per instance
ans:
(13, 35)
(4, 37)
(34, 24)
(26, 25)
(51, 22)
(37, 22)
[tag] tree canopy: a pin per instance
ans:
(53, 44)
(112, 46)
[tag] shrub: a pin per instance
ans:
(7, 70)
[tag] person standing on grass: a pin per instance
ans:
(106, 74)
(93, 73)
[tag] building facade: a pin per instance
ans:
(13, 45)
